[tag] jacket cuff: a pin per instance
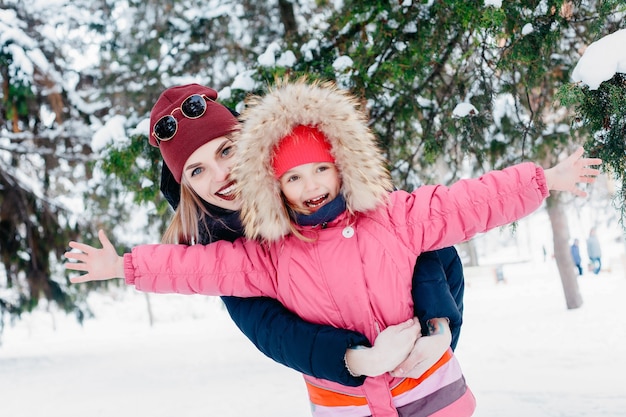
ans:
(541, 181)
(333, 355)
(129, 270)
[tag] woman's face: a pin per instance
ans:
(207, 171)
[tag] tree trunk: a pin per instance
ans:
(149, 306)
(560, 233)
(288, 17)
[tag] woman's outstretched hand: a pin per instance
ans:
(566, 175)
(100, 264)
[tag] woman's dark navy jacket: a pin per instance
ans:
(318, 350)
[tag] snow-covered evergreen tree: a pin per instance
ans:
(453, 88)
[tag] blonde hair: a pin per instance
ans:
(183, 227)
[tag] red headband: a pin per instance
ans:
(305, 144)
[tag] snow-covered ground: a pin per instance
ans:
(524, 354)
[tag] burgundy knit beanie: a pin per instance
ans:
(303, 145)
(217, 121)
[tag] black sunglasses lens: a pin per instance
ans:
(194, 106)
(165, 128)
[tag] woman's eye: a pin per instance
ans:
(196, 172)
(292, 178)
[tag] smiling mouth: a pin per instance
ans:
(316, 202)
(227, 192)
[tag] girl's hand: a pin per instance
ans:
(100, 264)
(390, 348)
(566, 175)
(427, 350)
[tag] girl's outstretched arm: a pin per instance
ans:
(567, 174)
(100, 264)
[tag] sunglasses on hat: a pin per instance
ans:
(193, 107)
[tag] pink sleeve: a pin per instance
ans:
(242, 268)
(433, 217)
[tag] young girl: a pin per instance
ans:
(337, 247)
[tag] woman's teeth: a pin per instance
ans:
(227, 192)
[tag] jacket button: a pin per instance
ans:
(348, 232)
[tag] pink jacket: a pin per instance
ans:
(356, 273)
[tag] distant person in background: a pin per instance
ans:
(575, 250)
(593, 251)
(499, 271)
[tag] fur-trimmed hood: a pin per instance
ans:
(269, 118)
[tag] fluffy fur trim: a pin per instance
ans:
(267, 119)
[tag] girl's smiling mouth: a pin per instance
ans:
(316, 202)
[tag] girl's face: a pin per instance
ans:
(310, 186)
(208, 173)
